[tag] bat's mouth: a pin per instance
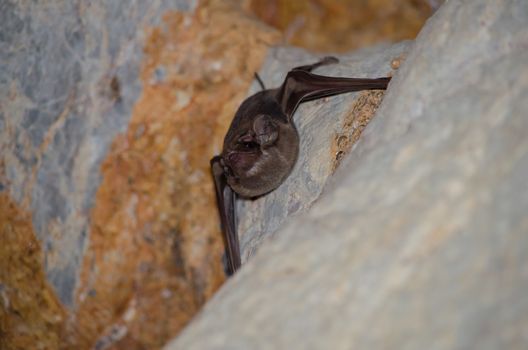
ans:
(227, 168)
(239, 165)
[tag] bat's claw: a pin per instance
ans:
(329, 60)
(323, 62)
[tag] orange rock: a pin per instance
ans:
(30, 314)
(339, 26)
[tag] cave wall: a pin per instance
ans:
(418, 240)
(109, 114)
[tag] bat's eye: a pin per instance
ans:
(249, 145)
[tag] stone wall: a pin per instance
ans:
(109, 114)
(419, 240)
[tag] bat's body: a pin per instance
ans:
(262, 143)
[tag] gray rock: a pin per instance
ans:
(419, 242)
(59, 113)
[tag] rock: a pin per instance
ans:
(344, 25)
(419, 240)
(109, 114)
(112, 230)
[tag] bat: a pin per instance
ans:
(261, 146)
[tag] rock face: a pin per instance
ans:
(419, 242)
(344, 25)
(108, 228)
(109, 114)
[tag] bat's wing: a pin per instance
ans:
(300, 86)
(226, 207)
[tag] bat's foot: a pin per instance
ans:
(328, 60)
(261, 83)
(227, 269)
(323, 62)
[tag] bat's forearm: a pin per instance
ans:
(226, 208)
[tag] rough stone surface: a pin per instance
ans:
(60, 105)
(344, 25)
(109, 114)
(31, 315)
(420, 240)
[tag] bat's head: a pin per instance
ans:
(259, 156)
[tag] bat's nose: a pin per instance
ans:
(232, 158)
(226, 163)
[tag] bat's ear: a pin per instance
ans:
(266, 130)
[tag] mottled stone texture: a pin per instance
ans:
(419, 242)
(109, 114)
(31, 316)
(60, 111)
(344, 25)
